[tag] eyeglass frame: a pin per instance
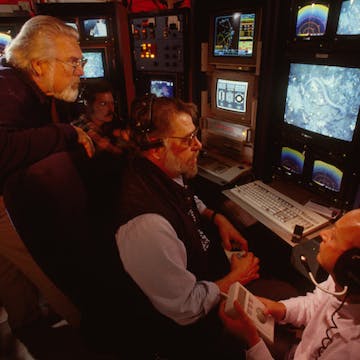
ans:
(190, 138)
(75, 63)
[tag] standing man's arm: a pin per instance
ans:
(24, 147)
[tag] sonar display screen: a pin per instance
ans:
(323, 99)
(327, 175)
(349, 19)
(292, 160)
(234, 35)
(312, 20)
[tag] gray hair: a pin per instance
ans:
(35, 41)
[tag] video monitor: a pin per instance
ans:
(95, 28)
(162, 87)
(349, 18)
(311, 19)
(95, 67)
(323, 99)
(292, 161)
(233, 38)
(232, 96)
(327, 176)
(4, 40)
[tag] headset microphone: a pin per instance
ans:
(307, 267)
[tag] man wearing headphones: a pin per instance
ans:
(175, 268)
(330, 314)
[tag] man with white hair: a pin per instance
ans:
(39, 77)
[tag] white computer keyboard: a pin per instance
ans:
(275, 210)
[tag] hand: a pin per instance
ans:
(246, 268)
(274, 308)
(241, 326)
(229, 234)
(85, 140)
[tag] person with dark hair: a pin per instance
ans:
(330, 314)
(98, 120)
(170, 243)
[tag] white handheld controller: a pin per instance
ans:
(253, 307)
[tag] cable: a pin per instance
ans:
(327, 337)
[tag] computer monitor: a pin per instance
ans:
(232, 96)
(322, 101)
(292, 161)
(312, 19)
(161, 87)
(4, 40)
(95, 67)
(326, 175)
(95, 28)
(234, 37)
(349, 18)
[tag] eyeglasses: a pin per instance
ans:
(188, 140)
(76, 63)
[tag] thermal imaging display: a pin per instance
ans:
(327, 175)
(312, 20)
(323, 99)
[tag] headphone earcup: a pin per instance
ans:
(347, 270)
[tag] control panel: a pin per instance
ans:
(158, 42)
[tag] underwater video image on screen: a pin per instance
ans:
(349, 19)
(95, 67)
(323, 99)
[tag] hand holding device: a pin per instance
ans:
(254, 309)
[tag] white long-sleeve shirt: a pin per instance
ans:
(157, 262)
(314, 311)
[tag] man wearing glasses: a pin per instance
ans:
(40, 71)
(174, 264)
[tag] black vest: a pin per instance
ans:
(146, 189)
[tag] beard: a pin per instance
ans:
(177, 167)
(69, 94)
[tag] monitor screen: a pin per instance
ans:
(234, 38)
(312, 19)
(292, 160)
(231, 95)
(323, 99)
(326, 175)
(95, 66)
(349, 19)
(234, 34)
(4, 40)
(162, 88)
(95, 28)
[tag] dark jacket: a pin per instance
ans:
(19, 149)
(146, 189)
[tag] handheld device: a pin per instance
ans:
(253, 307)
